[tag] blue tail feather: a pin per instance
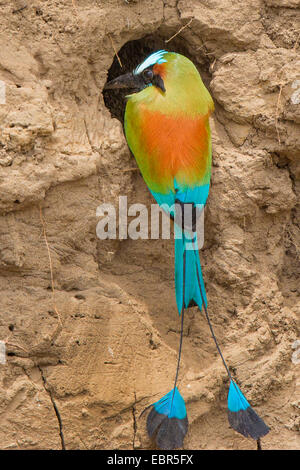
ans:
(242, 418)
(168, 421)
(192, 290)
(236, 399)
(171, 406)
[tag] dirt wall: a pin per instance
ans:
(90, 327)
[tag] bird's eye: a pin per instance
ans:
(147, 75)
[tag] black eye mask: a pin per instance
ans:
(137, 82)
(158, 82)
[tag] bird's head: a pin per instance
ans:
(168, 82)
(148, 73)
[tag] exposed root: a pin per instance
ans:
(115, 51)
(179, 31)
(50, 265)
(277, 114)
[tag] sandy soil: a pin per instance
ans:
(83, 361)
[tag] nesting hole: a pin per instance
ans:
(134, 52)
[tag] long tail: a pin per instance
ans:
(242, 418)
(167, 419)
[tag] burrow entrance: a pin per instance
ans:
(134, 52)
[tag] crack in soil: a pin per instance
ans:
(61, 434)
(134, 421)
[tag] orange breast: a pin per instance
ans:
(175, 147)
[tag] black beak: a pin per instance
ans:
(127, 80)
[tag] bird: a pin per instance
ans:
(167, 129)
